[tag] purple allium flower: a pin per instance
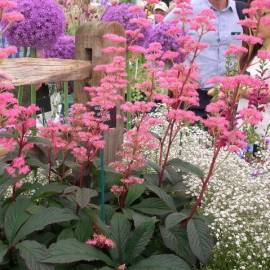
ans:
(121, 14)
(44, 23)
(64, 48)
(159, 33)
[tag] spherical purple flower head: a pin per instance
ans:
(64, 48)
(44, 23)
(160, 33)
(121, 14)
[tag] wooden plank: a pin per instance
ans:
(25, 71)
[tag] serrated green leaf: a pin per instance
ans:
(71, 250)
(200, 240)
(139, 240)
(186, 167)
(120, 230)
(134, 193)
(16, 215)
(152, 206)
(43, 218)
(174, 219)
(166, 198)
(161, 262)
(176, 240)
(32, 253)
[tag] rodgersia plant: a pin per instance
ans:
(149, 221)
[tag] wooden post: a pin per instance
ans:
(89, 45)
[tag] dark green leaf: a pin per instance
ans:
(84, 230)
(199, 239)
(134, 193)
(140, 218)
(174, 219)
(84, 195)
(152, 206)
(33, 252)
(186, 167)
(3, 251)
(161, 262)
(65, 234)
(49, 190)
(167, 199)
(71, 250)
(139, 239)
(157, 168)
(120, 230)
(34, 162)
(15, 217)
(176, 240)
(43, 218)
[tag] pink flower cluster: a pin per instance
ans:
(18, 167)
(100, 241)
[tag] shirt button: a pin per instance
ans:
(218, 40)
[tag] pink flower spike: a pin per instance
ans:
(114, 38)
(235, 50)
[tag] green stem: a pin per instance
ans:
(65, 100)
(102, 185)
(20, 94)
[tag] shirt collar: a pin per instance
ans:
(229, 6)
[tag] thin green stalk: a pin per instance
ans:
(65, 100)
(20, 94)
(102, 185)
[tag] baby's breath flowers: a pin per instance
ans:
(237, 201)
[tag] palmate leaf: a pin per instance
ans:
(32, 253)
(200, 240)
(43, 218)
(16, 215)
(71, 250)
(161, 262)
(139, 239)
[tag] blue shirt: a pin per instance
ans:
(212, 60)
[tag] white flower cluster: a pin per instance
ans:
(238, 201)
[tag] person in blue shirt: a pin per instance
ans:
(212, 60)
